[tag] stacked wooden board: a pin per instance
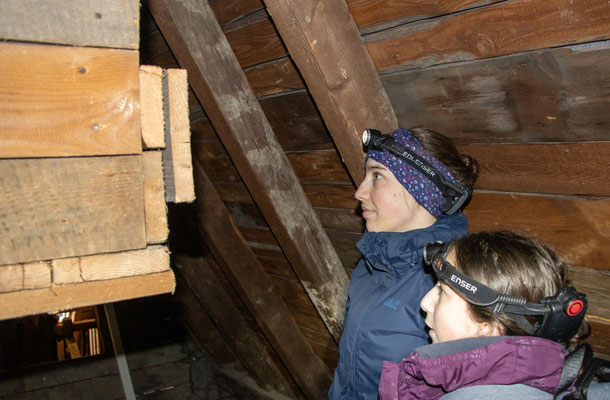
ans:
(86, 136)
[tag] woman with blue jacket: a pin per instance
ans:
(415, 184)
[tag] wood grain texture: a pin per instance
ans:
(274, 77)
(36, 275)
(151, 260)
(151, 107)
(501, 29)
(348, 94)
(66, 271)
(68, 101)
(218, 304)
(560, 168)
(155, 208)
(177, 154)
(551, 95)
(596, 284)
(256, 43)
(221, 86)
(62, 207)
(68, 297)
(11, 278)
(72, 22)
(578, 228)
(227, 11)
(372, 15)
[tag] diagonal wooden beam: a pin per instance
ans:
(325, 44)
(200, 46)
(254, 286)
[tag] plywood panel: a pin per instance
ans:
(60, 207)
(74, 22)
(68, 101)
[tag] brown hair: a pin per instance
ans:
(464, 168)
(514, 264)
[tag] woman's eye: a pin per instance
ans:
(376, 175)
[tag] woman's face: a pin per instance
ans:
(386, 205)
(448, 317)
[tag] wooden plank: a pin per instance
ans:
(252, 283)
(219, 305)
(348, 94)
(578, 228)
(155, 208)
(11, 278)
(227, 11)
(201, 326)
(559, 168)
(600, 332)
(256, 43)
(558, 95)
(66, 271)
(177, 164)
(501, 29)
(36, 275)
(72, 22)
(151, 107)
(372, 15)
(58, 101)
(220, 84)
(277, 76)
(67, 297)
(62, 207)
(152, 260)
(331, 195)
(596, 284)
(318, 166)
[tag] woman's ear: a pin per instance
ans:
(493, 328)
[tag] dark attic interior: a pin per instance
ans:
(177, 177)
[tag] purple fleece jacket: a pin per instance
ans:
(434, 370)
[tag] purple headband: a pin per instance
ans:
(424, 191)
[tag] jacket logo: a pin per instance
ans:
(391, 303)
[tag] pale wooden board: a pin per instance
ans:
(66, 271)
(58, 101)
(36, 275)
(57, 298)
(11, 278)
(155, 207)
(111, 23)
(63, 207)
(151, 260)
(178, 167)
(151, 106)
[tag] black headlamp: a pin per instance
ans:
(561, 314)
(455, 195)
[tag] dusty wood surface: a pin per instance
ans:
(547, 95)
(155, 208)
(228, 100)
(275, 77)
(226, 11)
(60, 101)
(72, 22)
(578, 228)
(252, 283)
(219, 305)
(57, 298)
(558, 168)
(492, 31)
(61, 207)
(177, 165)
(348, 94)
(151, 107)
(371, 15)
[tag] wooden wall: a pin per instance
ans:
(521, 85)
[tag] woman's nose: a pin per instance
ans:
(362, 192)
(426, 303)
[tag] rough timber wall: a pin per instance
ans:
(520, 85)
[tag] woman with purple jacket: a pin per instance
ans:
(502, 319)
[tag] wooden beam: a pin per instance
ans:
(151, 107)
(155, 208)
(229, 321)
(256, 290)
(59, 101)
(62, 207)
(231, 105)
(72, 22)
(57, 298)
(325, 44)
